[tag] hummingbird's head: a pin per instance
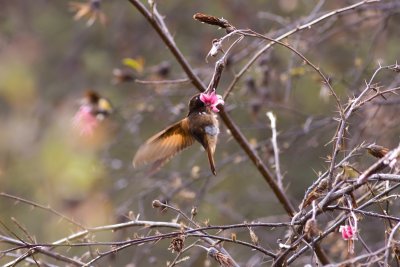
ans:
(98, 105)
(209, 100)
(195, 104)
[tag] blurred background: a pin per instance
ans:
(48, 60)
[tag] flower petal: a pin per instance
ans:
(203, 97)
(212, 100)
(348, 232)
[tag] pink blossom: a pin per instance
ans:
(212, 100)
(348, 232)
(85, 121)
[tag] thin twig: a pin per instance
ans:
(274, 141)
(389, 245)
(177, 81)
(36, 205)
(291, 32)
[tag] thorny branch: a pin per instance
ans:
(69, 241)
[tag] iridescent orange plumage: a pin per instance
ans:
(200, 124)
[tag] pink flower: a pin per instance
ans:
(212, 100)
(348, 232)
(85, 121)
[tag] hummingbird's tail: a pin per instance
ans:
(210, 155)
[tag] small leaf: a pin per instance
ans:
(297, 72)
(233, 237)
(254, 237)
(136, 64)
(350, 172)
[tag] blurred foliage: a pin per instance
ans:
(48, 60)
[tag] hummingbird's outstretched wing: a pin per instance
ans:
(164, 145)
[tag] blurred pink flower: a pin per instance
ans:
(348, 232)
(212, 100)
(85, 121)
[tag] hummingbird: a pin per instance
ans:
(99, 106)
(199, 125)
(93, 109)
